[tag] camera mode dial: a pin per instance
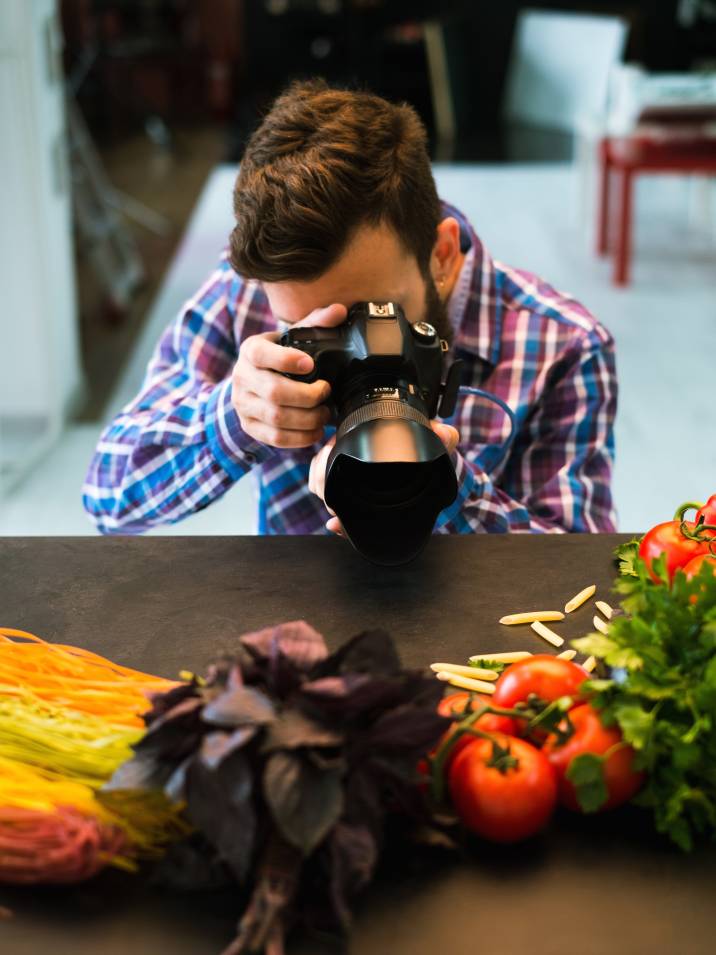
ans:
(424, 330)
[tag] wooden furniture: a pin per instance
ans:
(588, 885)
(654, 148)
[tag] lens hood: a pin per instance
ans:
(387, 479)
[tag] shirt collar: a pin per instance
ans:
(474, 307)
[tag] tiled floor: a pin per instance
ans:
(664, 325)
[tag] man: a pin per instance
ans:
(335, 203)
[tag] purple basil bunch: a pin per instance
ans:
(288, 759)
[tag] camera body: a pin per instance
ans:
(388, 475)
(376, 354)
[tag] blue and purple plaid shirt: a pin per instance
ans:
(179, 445)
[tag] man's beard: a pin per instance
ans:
(436, 311)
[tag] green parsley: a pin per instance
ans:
(662, 694)
(497, 665)
(627, 554)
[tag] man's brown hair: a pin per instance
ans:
(322, 163)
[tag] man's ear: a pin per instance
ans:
(446, 256)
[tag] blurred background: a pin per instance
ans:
(122, 124)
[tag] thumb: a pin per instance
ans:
(447, 434)
(326, 317)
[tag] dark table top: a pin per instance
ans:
(599, 885)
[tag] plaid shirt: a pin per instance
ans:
(179, 445)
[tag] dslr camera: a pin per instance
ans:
(388, 475)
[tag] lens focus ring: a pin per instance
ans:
(382, 408)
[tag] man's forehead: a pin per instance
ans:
(375, 265)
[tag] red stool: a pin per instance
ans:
(654, 149)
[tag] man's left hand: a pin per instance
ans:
(317, 473)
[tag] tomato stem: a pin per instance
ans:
(534, 714)
(437, 762)
(688, 506)
(697, 532)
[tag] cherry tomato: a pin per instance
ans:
(695, 564)
(590, 736)
(502, 804)
(454, 705)
(542, 674)
(667, 539)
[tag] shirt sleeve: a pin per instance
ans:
(558, 478)
(179, 444)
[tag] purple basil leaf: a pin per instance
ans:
(293, 729)
(371, 651)
(407, 728)
(191, 866)
(357, 853)
(215, 747)
(353, 856)
(305, 802)
(184, 713)
(174, 788)
(326, 759)
(235, 678)
(163, 702)
(217, 673)
(363, 798)
(296, 640)
(352, 696)
(244, 705)
(142, 771)
(219, 804)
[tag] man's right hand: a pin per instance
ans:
(273, 409)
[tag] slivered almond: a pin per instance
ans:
(567, 655)
(589, 664)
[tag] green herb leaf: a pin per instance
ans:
(497, 665)
(626, 555)
(586, 773)
(635, 723)
(664, 699)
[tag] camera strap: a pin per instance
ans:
(501, 449)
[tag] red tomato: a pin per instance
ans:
(694, 566)
(454, 705)
(667, 539)
(708, 512)
(546, 676)
(503, 805)
(590, 736)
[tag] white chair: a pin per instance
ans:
(560, 66)
(558, 79)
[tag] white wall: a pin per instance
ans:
(40, 374)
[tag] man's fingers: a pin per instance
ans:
(327, 317)
(335, 527)
(262, 351)
(284, 417)
(317, 470)
(448, 435)
(282, 391)
(280, 437)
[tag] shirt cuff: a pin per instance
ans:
(236, 451)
